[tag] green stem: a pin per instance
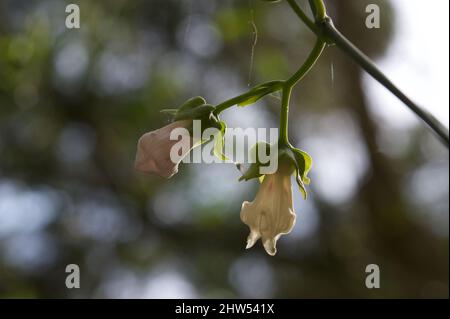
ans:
(309, 63)
(289, 85)
(325, 27)
(304, 69)
(284, 119)
(363, 61)
(232, 102)
(319, 9)
(286, 87)
(244, 97)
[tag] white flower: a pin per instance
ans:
(271, 214)
(154, 150)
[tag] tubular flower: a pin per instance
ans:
(271, 214)
(160, 154)
(154, 150)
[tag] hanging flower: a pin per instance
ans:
(271, 214)
(154, 150)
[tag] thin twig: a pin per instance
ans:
(325, 28)
(362, 60)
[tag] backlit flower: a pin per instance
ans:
(271, 214)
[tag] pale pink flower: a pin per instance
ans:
(271, 214)
(154, 150)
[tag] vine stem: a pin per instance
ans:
(284, 119)
(286, 88)
(318, 8)
(324, 27)
(289, 85)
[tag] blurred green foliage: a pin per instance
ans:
(74, 102)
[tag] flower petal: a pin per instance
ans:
(271, 214)
(270, 245)
(252, 239)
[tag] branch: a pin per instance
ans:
(362, 60)
(324, 27)
(292, 81)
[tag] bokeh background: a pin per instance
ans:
(74, 102)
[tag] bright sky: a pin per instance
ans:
(417, 61)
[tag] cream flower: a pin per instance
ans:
(271, 214)
(154, 150)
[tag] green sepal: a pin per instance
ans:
(260, 91)
(304, 162)
(254, 170)
(192, 103)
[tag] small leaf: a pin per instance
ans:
(195, 113)
(251, 100)
(192, 103)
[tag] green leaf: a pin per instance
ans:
(254, 169)
(260, 91)
(187, 107)
(301, 186)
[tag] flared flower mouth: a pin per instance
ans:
(271, 214)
